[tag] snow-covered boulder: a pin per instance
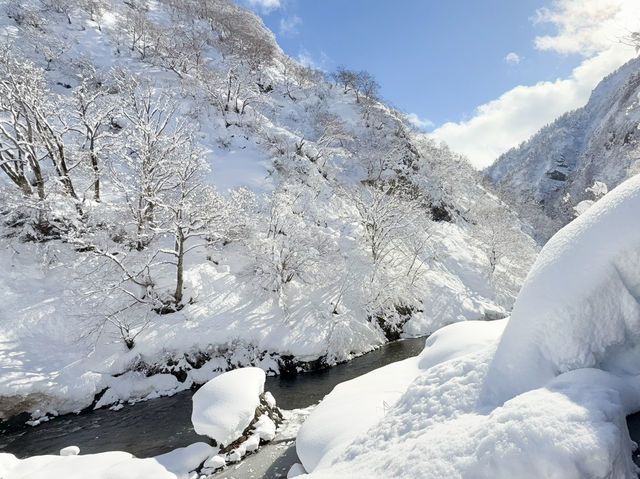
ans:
(579, 305)
(70, 451)
(224, 406)
(234, 411)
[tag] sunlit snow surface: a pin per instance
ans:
(545, 398)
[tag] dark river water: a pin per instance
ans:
(154, 427)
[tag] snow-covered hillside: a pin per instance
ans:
(541, 394)
(548, 176)
(180, 198)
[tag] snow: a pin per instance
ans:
(137, 384)
(265, 428)
(70, 451)
(542, 394)
(177, 464)
(56, 350)
(351, 408)
(295, 471)
(107, 465)
(224, 407)
(579, 305)
(215, 462)
(185, 459)
(583, 206)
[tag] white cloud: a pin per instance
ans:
(504, 123)
(264, 5)
(306, 59)
(588, 27)
(420, 123)
(289, 26)
(512, 58)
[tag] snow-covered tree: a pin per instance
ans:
(495, 227)
(289, 249)
(153, 138)
(28, 132)
(95, 110)
(191, 212)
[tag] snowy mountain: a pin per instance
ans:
(547, 177)
(179, 198)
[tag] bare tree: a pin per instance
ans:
(289, 251)
(95, 110)
(136, 25)
(65, 7)
(382, 216)
(95, 8)
(231, 93)
(153, 137)
(192, 210)
(28, 135)
(498, 231)
(361, 82)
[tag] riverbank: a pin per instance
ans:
(157, 426)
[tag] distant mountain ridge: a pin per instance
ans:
(545, 177)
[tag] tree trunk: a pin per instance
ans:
(180, 265)
(96, 171)
(37, 172)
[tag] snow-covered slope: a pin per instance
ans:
(548, 175)
(303, 224)
(541, 394)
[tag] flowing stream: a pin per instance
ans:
(154, 427)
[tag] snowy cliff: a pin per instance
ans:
(546, 177)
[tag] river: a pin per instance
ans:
(154, 427)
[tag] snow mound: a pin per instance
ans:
(70, 451)
(183, 460)
(224, 407)
(579, 307)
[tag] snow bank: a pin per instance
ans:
(107, 465)
(572, 429)
(355, 406)
(224, 407)
(177, 464)
(352, 407)
(579, 305)
(183, 460)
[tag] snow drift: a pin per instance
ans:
(579, 305)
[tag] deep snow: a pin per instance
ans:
(542, 394)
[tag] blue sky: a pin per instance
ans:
(450, 62)
(422, 52)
